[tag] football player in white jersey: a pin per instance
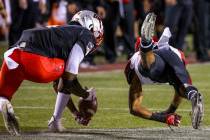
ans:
(158, 62)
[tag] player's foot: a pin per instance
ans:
(197, 110)
(10, 120)
(55, 125)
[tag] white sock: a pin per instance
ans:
(2, 99)
(61, 102)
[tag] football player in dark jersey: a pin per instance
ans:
(160, 63)
(45, 55)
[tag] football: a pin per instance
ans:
(87, 108)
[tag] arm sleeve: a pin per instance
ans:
(74, 59)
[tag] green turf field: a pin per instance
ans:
(34, 103)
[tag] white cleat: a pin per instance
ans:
(55, 125)
(197, 110)
(10, 120)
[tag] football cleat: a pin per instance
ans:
(197, 110)
(148, 26)
(55, 125)
(10, 120)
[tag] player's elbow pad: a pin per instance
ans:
(73, 86)
(132, 111)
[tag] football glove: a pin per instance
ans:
(173, 119)
(81, 119)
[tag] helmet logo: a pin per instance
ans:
(90, 26)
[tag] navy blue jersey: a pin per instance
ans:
(167, 68)
(56, 42)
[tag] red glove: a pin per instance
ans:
(173, 119)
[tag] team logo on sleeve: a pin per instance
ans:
(89, 47)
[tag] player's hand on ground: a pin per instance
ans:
(173, 119)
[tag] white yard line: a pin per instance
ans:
(100, 88)
(101, 72)
(106, 108)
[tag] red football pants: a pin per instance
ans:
(31, 67)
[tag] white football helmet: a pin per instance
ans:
(92, 22)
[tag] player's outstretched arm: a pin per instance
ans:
(135, 101)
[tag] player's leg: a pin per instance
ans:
(185, 89)
(54, 123)
(10, 80)
(44, 70)
(31, 67)
(188, 91)
(181, 79)
(41, 69)
(72, 108)
(191, 93)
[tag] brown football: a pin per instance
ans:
(87, 108)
